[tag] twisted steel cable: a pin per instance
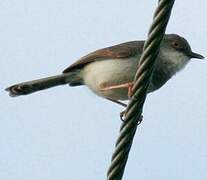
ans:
(133, 113)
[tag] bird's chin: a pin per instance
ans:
(175, 61)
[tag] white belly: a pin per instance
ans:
(100, 74)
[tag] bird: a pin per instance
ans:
(110, 72)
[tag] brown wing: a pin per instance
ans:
(119, 51)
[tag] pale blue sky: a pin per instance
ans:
(69, 133)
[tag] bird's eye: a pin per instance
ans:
(175, 44)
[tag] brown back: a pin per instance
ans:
(120, 51)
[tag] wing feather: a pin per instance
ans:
(120, 51)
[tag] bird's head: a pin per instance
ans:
(176, 52)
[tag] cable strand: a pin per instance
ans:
(134, 109)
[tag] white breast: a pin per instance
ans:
(105, 73)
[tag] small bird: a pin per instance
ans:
(110, 72)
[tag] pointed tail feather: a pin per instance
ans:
(39, 84)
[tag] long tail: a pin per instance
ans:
(39, 84)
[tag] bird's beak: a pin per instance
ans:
(196, 55)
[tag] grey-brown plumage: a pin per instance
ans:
(109, 72)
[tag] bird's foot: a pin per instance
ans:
(122, 116)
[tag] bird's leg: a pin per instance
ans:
(122, 114)
(130, 89)
(128, 85)
(117, 102)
